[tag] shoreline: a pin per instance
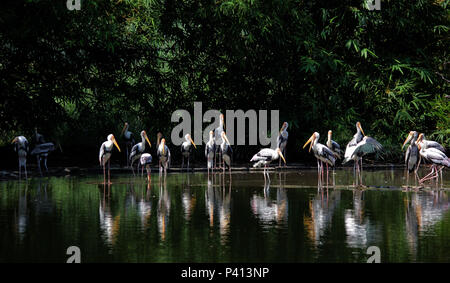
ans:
(96, 170)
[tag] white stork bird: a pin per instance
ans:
(138, 149)
(146, 160)
(282, 140)
(226, 152)
(334, 146)
(186, 150)
(321, 152)
(163, 154)
(412, 155)
(105, 155)
(218, 137)
(434, 155)
(129, 140)
(210, 150)
(41, 150)
(360, 146)
(21, 147)
(265, 156)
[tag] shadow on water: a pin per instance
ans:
(225, 218)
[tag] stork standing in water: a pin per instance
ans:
(146, 160)
(186, 150)
(264, 157)
(412, 154)
(41, 150)
(129, 140)
(218, 136)
(105, 155)
(138, 149)
(433, 155)
(226, 152)
(282, 140)
(359, 146)
(21, 147)
(322, 154)
(210, 151)
(163, 154)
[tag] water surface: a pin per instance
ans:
(188, 218)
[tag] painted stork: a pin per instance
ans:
(146, 160)
(436, 157)
(21, 147)
(186, 150)
(265, 156)
(210, 150)
(282, 140)
(41, 150)
(218, 137)
(334, 146)
(163, 154)
(433, 155)
(105, 155)
(226, 152)
(129, 140)
(359, 146)
(138, 149)
(412, 155)
(321, 152)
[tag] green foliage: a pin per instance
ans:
(78, 75)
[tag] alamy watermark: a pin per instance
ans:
(373, 5)
(257, 126)
(75, 254)
(375, 253)
(73, 5)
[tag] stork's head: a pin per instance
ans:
(408, 138)
(224, 137)
(314, 136)
(420, 138)
(278, 150)
(284, 127)
(358, 126)
(15, 140)
(144, 135)
(125, 127)
(187, 137)
(113, 139)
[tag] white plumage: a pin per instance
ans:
(21, 146)
(210, 150)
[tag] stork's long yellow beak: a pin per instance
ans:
(115, 143)
(407, 140)
(282, 157)
(14, 140)
(123, 129)
(226, 139)
(359, 126)
(309, 141)
(146, 138)
(192, 142)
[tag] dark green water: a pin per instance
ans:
(187, 218)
